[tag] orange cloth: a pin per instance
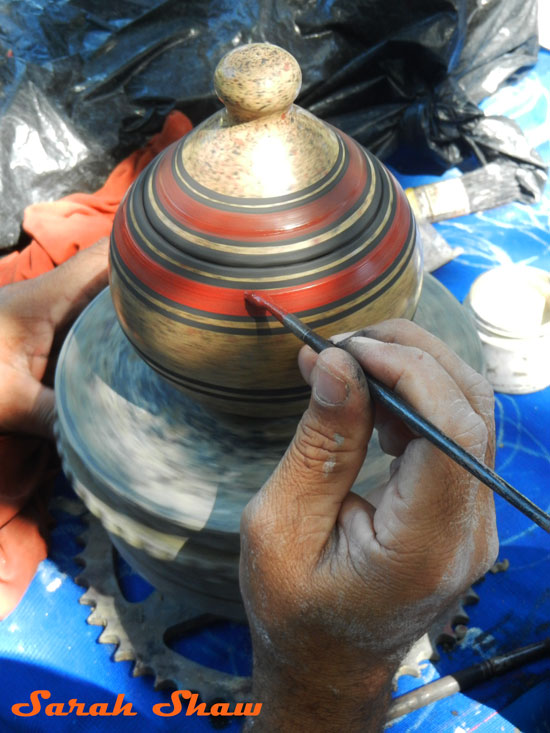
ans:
(61, 228)
(58, 230)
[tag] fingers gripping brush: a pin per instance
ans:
(418, 424)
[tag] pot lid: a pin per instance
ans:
(262, 183)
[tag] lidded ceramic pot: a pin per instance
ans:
(261, 197)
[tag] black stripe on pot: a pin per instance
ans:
(176, 237)
(257, 205)
(152, 300)
(253, 277)
(290, 394)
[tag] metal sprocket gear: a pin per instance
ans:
(138, 629)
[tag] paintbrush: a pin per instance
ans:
(418, 424)
(464, 679)
(487, 187)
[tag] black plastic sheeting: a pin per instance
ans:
(85, 81)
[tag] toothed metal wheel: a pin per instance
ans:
(138, 629)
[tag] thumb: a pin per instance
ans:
(306, 491)
(66, 290)
(41, 415)
(28, 407)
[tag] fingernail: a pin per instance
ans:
(339, 337)
(328, 388)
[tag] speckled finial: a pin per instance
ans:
(257, 80)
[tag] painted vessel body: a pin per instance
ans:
(272, 201)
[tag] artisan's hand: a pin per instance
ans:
(34, 318)
(336, 590)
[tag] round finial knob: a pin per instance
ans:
(257, 80)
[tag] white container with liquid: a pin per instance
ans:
(511, 308)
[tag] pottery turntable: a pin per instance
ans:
(174, 405)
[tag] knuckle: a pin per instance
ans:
(417, 354)
(418, 359)
(246, 520)
(482, 392)
(315, 447)
(488, 543)
(494, 547)
(479, 430)
(390, 329)
(490, 558)
(258, 525)
(418, 365)
(486, 390)
(252, 534)
(401, 324)
(471, 431)
(251, 521)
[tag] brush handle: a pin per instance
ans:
(464, 679)
(426, 429)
